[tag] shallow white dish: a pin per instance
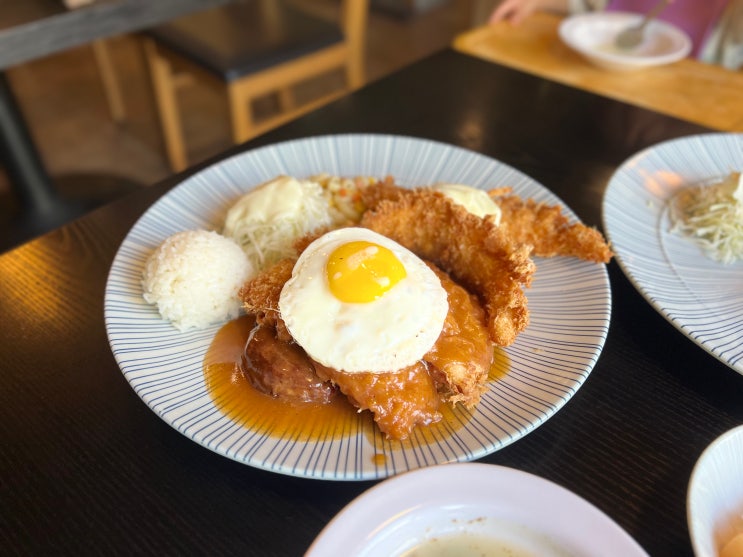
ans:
(700, 297)
(500, 509)
(715, 497)
(570, 303)
(592, 35)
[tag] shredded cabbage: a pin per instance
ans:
(267, 221)
(713, 216)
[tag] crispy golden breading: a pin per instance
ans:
(260, 296)
(473, 251)
(548, 230)
(384, 190)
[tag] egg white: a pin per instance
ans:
(387, 334)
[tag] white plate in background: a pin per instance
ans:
(702, 298)
(592, 35)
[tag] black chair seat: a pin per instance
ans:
(238, 39)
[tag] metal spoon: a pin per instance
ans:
(633, 36)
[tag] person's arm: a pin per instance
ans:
(516, 11)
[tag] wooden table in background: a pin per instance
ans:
(705, 94)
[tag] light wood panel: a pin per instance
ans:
(701, 93)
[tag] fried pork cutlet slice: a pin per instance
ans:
(460, 360)
(383, 190)
(398, 400)
(548, 230)
(475, 252)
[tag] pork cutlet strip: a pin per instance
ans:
(543, 226)
(549, 231)
(476, 253)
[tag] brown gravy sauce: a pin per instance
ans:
(236, 398)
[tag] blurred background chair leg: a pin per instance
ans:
(29, 182)
(165, 85)
(241, 113)
(110, 80)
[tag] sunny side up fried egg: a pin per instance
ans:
(359, 302)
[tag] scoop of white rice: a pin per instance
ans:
(194, 277)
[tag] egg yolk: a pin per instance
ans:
(360, 272)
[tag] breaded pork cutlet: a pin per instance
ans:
(484, 268)
(474, 251)
(455, 370)
(549, 231)
(260, 296)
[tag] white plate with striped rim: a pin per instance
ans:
(701, 297)
(570, 304)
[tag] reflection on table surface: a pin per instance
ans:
(707, 94)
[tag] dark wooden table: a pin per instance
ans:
(87, 468)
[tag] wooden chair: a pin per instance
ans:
(256, 48)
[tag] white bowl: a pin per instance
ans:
(471, 508)
(592, 35)
(714, 504)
